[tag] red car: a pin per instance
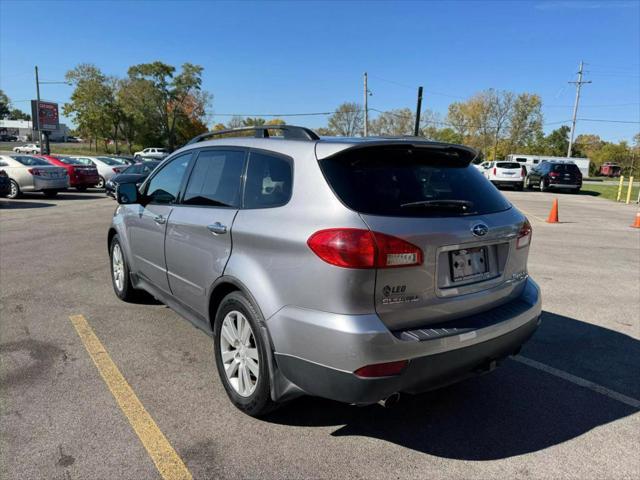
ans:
(81, 176)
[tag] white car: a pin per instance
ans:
(107, 167)
(33, 174)
(28, 148)
(151, 153)
(511, 174)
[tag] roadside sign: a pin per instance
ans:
(47, 118)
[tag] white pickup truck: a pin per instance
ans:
(152, 152)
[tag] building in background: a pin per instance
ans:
(23, 129)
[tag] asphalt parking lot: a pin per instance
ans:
(567, 407)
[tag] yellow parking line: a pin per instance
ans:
(168, 463)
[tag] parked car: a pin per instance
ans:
(133, 174)
(351, 269)
(81, 176)
(5, 183)
(28, 148)
(107, 167)
(151, 153)
(8, 138)
(505, 174)
(72, 139)
(28, 173)
(554, 175)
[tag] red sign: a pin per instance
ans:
(47, 118)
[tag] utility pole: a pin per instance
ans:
(416, 130)
(578, 85)
(366, 107)
(37, 119)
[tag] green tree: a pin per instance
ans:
(393, 123)
(556, 143)
(169, 91)
(5, 105)
(347, 120)
(17, 114)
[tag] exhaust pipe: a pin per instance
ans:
(391, 401)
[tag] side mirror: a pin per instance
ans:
(127, 193)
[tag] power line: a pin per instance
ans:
(607, 121)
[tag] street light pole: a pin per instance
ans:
(366, 107)
(37, 119)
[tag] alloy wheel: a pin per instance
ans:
(117, 266)
(239, 353)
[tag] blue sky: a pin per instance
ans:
(287, 57)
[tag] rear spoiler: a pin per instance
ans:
(458, 155)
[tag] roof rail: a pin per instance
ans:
(289, 132)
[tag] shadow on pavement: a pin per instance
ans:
(12, 204)
(515, 410)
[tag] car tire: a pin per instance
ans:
(120, 278)
(253, 394)
(101, 182)
(14, 190)
(544, 186)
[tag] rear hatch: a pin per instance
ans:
(431, 197)
(508, 171)
(565, 173)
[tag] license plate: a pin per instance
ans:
(469, 263)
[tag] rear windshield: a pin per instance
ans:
(70, 161)
(111, 161)
(508, 165)
(566, 168)
(29, 161)
(403, 182)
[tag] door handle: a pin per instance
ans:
(217, 228)
(159, 219)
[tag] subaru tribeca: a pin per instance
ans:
(347, 268)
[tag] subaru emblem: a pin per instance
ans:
(480, 230)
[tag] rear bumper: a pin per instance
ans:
(564, 185)
(318, 352)
(508, 181)
(51, 184)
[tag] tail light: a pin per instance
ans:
(523, 172)
(382, 369)
(554, 174)
(495, 171)
(34, 171)
(117, 169)
(358, 248)
(524, 235)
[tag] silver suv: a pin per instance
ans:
(346, 268)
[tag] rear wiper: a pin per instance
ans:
(463, 205)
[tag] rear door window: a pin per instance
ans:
(215, 179)
(269, 181)
(566, 168)
(406, 182)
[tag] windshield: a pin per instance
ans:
(141, 168)
(406, 183)
(111, 161)
(30, 161)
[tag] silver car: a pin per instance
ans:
(349, 268)
(33, 174)
(107, 167)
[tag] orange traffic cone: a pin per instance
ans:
(553, 214)
(636, 224)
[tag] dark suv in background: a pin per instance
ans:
(556, 174)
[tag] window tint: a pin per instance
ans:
(134, 169)
(566, 168)
(508, 165)
(215, 179)
(70, 161)
(164, 187)
(111, 161)
(519, 159)
(402, 182)
(269, 181)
